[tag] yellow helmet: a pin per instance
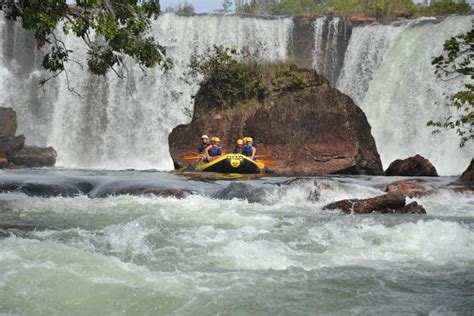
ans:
(249, 139)
(245, 139)
(213, 139)
(217, 139)
(240, 142)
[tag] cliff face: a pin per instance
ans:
(308, 126)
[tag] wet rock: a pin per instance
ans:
(412, 208)
(328, 132)
(8, 124)
(41, 189)
(3, 162)
(409, 188)
(10, 146)
(32, 156)
(176, 193)
(468, 175)
(140, 190)
(412, 167)
(240, 190)
(387, 203)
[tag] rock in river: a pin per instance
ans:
(412, 167)
(468, 175)
(308, 126)
(13, 152)
(387, 203)
(32, 156)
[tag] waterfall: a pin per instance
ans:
(331, 35)
(114, 123)
(387, 71)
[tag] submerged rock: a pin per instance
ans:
(468, 175)
(32, 156)
(412, 167)
(308, 126)
(240, 190)
(387, 203)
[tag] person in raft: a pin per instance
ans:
(214, 151)
(249, 149)
(238, 146)
(204, 144)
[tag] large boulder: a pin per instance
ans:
(412, 167)
(387, 203)
(468, 175)
(9, 146)
(8, 124)
(32, 156)
(308, 126)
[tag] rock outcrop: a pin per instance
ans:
(13, 152)
(468, 175)
(387, 203)
(416, 166)
(309, 127)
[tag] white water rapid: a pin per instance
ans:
(117, 124)
(387, 71)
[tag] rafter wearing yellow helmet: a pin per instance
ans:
(238, 146)
(214, 151)
(249, 149)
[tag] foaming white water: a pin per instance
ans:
(403, 93)
(365, 52)
(371, 244)
(117, 124)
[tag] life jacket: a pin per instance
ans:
(237, 150)
(201, 149)
(247, 150)
(215, 151)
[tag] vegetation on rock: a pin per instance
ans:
(456, 61)
(381, 9)
(228, 76)
(111, 29)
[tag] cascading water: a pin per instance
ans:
(331, 35)
(122, 123)
(365, 53)
(388, 72)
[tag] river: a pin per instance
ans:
(233, 247)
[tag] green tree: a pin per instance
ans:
(457, 61)
(121, 26)
(228, 76)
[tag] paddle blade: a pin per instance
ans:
(263, 156)
(270, 163)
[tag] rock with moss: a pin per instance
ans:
(309, 127)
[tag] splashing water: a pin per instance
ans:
(202, 255)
